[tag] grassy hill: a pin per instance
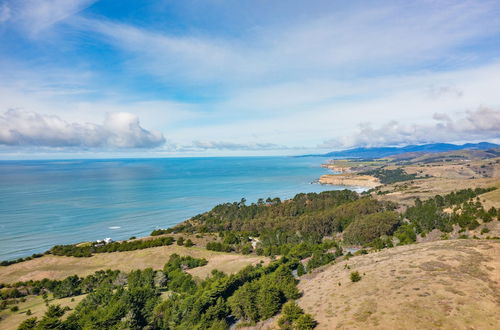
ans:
(59, 267)
(444, 284)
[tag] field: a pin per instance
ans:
(444, 284)
(444, 178)
(57, 267)
(10, 320)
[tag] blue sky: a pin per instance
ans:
(170, 78)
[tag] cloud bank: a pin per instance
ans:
(482, 124)
(119, 130)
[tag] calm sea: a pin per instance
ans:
(43, 203)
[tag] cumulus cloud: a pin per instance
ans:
(482, 124)
(119, 130)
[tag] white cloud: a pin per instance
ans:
(119, 130)
(479, 125)
(340, 43)
(33, 16)
(4, 13)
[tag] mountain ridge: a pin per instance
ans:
(379, 152)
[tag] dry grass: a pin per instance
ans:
(11, 320)
(491, 198)
(57, 267)
(444, 284)
(406, 192)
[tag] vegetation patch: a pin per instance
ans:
(390, 176)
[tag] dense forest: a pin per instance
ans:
(306, 217)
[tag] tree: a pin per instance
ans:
(268, 301)
(28, 324)
(289, 313)
(243, 303)
(365, 229)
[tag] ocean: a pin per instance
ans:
(44, 203)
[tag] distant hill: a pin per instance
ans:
(463, 154)
(381, 152)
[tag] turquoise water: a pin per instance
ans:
(43, 203)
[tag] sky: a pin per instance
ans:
(89, 78)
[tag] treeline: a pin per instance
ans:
(463, 211)
(304, 221)
(68, 287)
(87, 249)
(15, 261)
(272, 213)
(254, 293)
(306, 217)
(74, 250)
(390, 176)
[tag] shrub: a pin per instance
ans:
(28, 324)
(293, 318)
(188, 243)
(304, 322)
(406, 234)
(218, 246)
(355, 277)
(485, 230)
(180, 241)
(14, 309)
(246, 249)
(300, 269)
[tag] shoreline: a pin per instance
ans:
(345, 176)
(350, 180)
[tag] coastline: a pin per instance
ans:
(350, 180)
(345, 176)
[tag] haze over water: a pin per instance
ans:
(44, 203)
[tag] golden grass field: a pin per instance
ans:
(59, 267)
(11, 320)
(444, 284)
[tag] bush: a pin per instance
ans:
(180, 241)
(188, 243)
(14, 309)
(300, 269)
(293, 318)
(157, 232)
(247, 248)
(355, 277)
(485, 230)
(218, 246)
(304, 322)
(28, 324)
(406, 234)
